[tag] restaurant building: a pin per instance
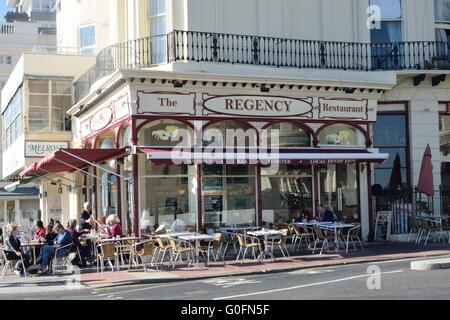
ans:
(344, 105)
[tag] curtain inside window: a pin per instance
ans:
(394, 31)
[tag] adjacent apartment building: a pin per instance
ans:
(29, 26)
(355, 91)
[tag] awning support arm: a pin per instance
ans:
(92, 164)
(78, 169)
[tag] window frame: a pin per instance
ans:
(50, 108)
(90, 49)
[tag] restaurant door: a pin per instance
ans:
(339, 189)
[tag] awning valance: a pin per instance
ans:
(66, 160)
(308, 156)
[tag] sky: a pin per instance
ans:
(3, 10)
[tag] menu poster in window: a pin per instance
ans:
(213, 203)
(383, 226)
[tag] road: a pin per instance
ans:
(350, 282)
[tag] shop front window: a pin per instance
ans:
(229, 195)
(286, 192)
(108, 181)
(166, 133)
(168, 192)
(287, 135)
(390, 136)
(339, 189)
(229, 134)
(341, 135)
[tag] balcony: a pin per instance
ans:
(264, 51)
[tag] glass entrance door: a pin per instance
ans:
(339, 189)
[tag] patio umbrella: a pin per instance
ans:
(396, 175)
(426, 184)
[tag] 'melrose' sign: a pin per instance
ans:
(39, 149)
(258, 106)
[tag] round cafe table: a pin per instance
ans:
(32, 246)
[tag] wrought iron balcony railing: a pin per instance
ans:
(264, 51)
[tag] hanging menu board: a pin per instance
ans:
(383, 225)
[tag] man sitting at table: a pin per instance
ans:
(325, 214)
(63, 239)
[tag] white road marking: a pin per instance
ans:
(142, 289)
(230, 282)
(302, 286)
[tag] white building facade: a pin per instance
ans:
(363, 88)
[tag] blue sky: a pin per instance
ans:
(3, 9)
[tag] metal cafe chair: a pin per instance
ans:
(321, 237)
(352, 235)
(279, 241)
(10, 264)
(143, 250)
(213, 248)
(244, 246)
(61, 261)
(180, 247)
(107, 251)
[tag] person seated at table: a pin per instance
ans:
(325, 214)
(146, 223)
(84, 250)
(48, 251)
(178, 225)
(13, 250)
(114, 230)
(50, 235)
(40, 230)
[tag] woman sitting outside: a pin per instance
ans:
(40, 230)
(114, 230)
(84, 250)
(50, 235)
(47, 253)
(13, 250)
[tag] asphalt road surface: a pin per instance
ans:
(362, 281)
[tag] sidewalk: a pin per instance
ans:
(89, 278)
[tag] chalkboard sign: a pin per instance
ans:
(383, 226)
(213, 203)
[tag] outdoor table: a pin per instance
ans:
(239, 229)
(175, 234)
(335, 226)
(33, 246)
(265, 234)
(197, 239)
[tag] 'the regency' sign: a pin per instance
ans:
(258, 106)
(39, 149)
(254, 106)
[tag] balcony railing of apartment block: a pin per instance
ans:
(264, 51)
(7, 28)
